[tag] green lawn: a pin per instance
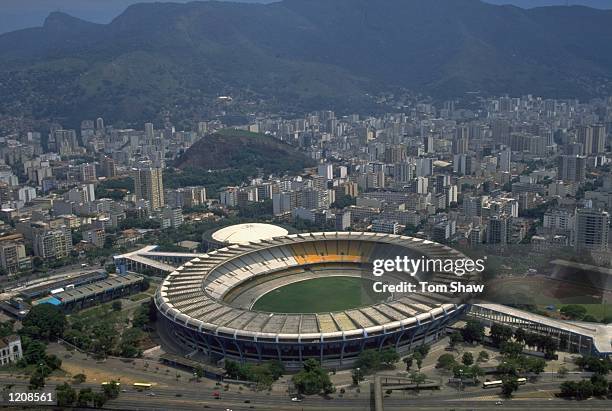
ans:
(599, 311)
(320, 295)
(139, 296)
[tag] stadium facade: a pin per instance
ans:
(206, 305)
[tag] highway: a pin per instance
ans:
(193, 397)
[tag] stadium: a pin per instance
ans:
(211, 304)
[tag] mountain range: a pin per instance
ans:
(298, 54)
(19, 14)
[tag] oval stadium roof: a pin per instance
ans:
(245, 233)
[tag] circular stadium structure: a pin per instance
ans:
(207, 304)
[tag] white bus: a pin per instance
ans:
(492, 384)
(498, 383)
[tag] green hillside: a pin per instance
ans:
(239, 150)
(297, 55)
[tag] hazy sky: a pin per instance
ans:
(600, 4)
(17, 14)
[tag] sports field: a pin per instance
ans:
(320, 295)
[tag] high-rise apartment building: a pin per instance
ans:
(148, 185)
(599, 138)
(592, 138)
(572, 168)
(13, 257)
(498, 230)
(326, 171)
(592, 228)
(88, 172)
(585, 137)
(52, 243)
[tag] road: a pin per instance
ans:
(189, 397)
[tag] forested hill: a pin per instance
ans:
(233, 149)
(299, 54)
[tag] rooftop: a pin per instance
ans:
(245, 233)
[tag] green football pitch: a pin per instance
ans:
(320, 295)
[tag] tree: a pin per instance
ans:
(99, 400)
(418, 357)
(568, 388)
(368, 360)
(467, 359)
(594, 364)
(509, 385)
(511, 349)
(423, 350)
(129, 343)
(476, 371)
(343, 201)
(584, 390)
(37, 262)
(37, 379)
(232, 369)
(388, 357)
(374, 360)
(44, 321)
(507, 368)
(483, 356)
(66, 395)
(53, 362)
(33, 351)
(455, 338)
(6, 328)
(198, 371)
(111, 390)
(519, 335)
(473, 331)
(500, 333)
(534, 365)
(417, 378)
(109, 241)
(408, 361)
(357, 376)
(446, 361)
(312, 379)
(600, 385)
(86, 396)
(145, 314)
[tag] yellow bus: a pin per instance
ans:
(109, 383)
(142, 385)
